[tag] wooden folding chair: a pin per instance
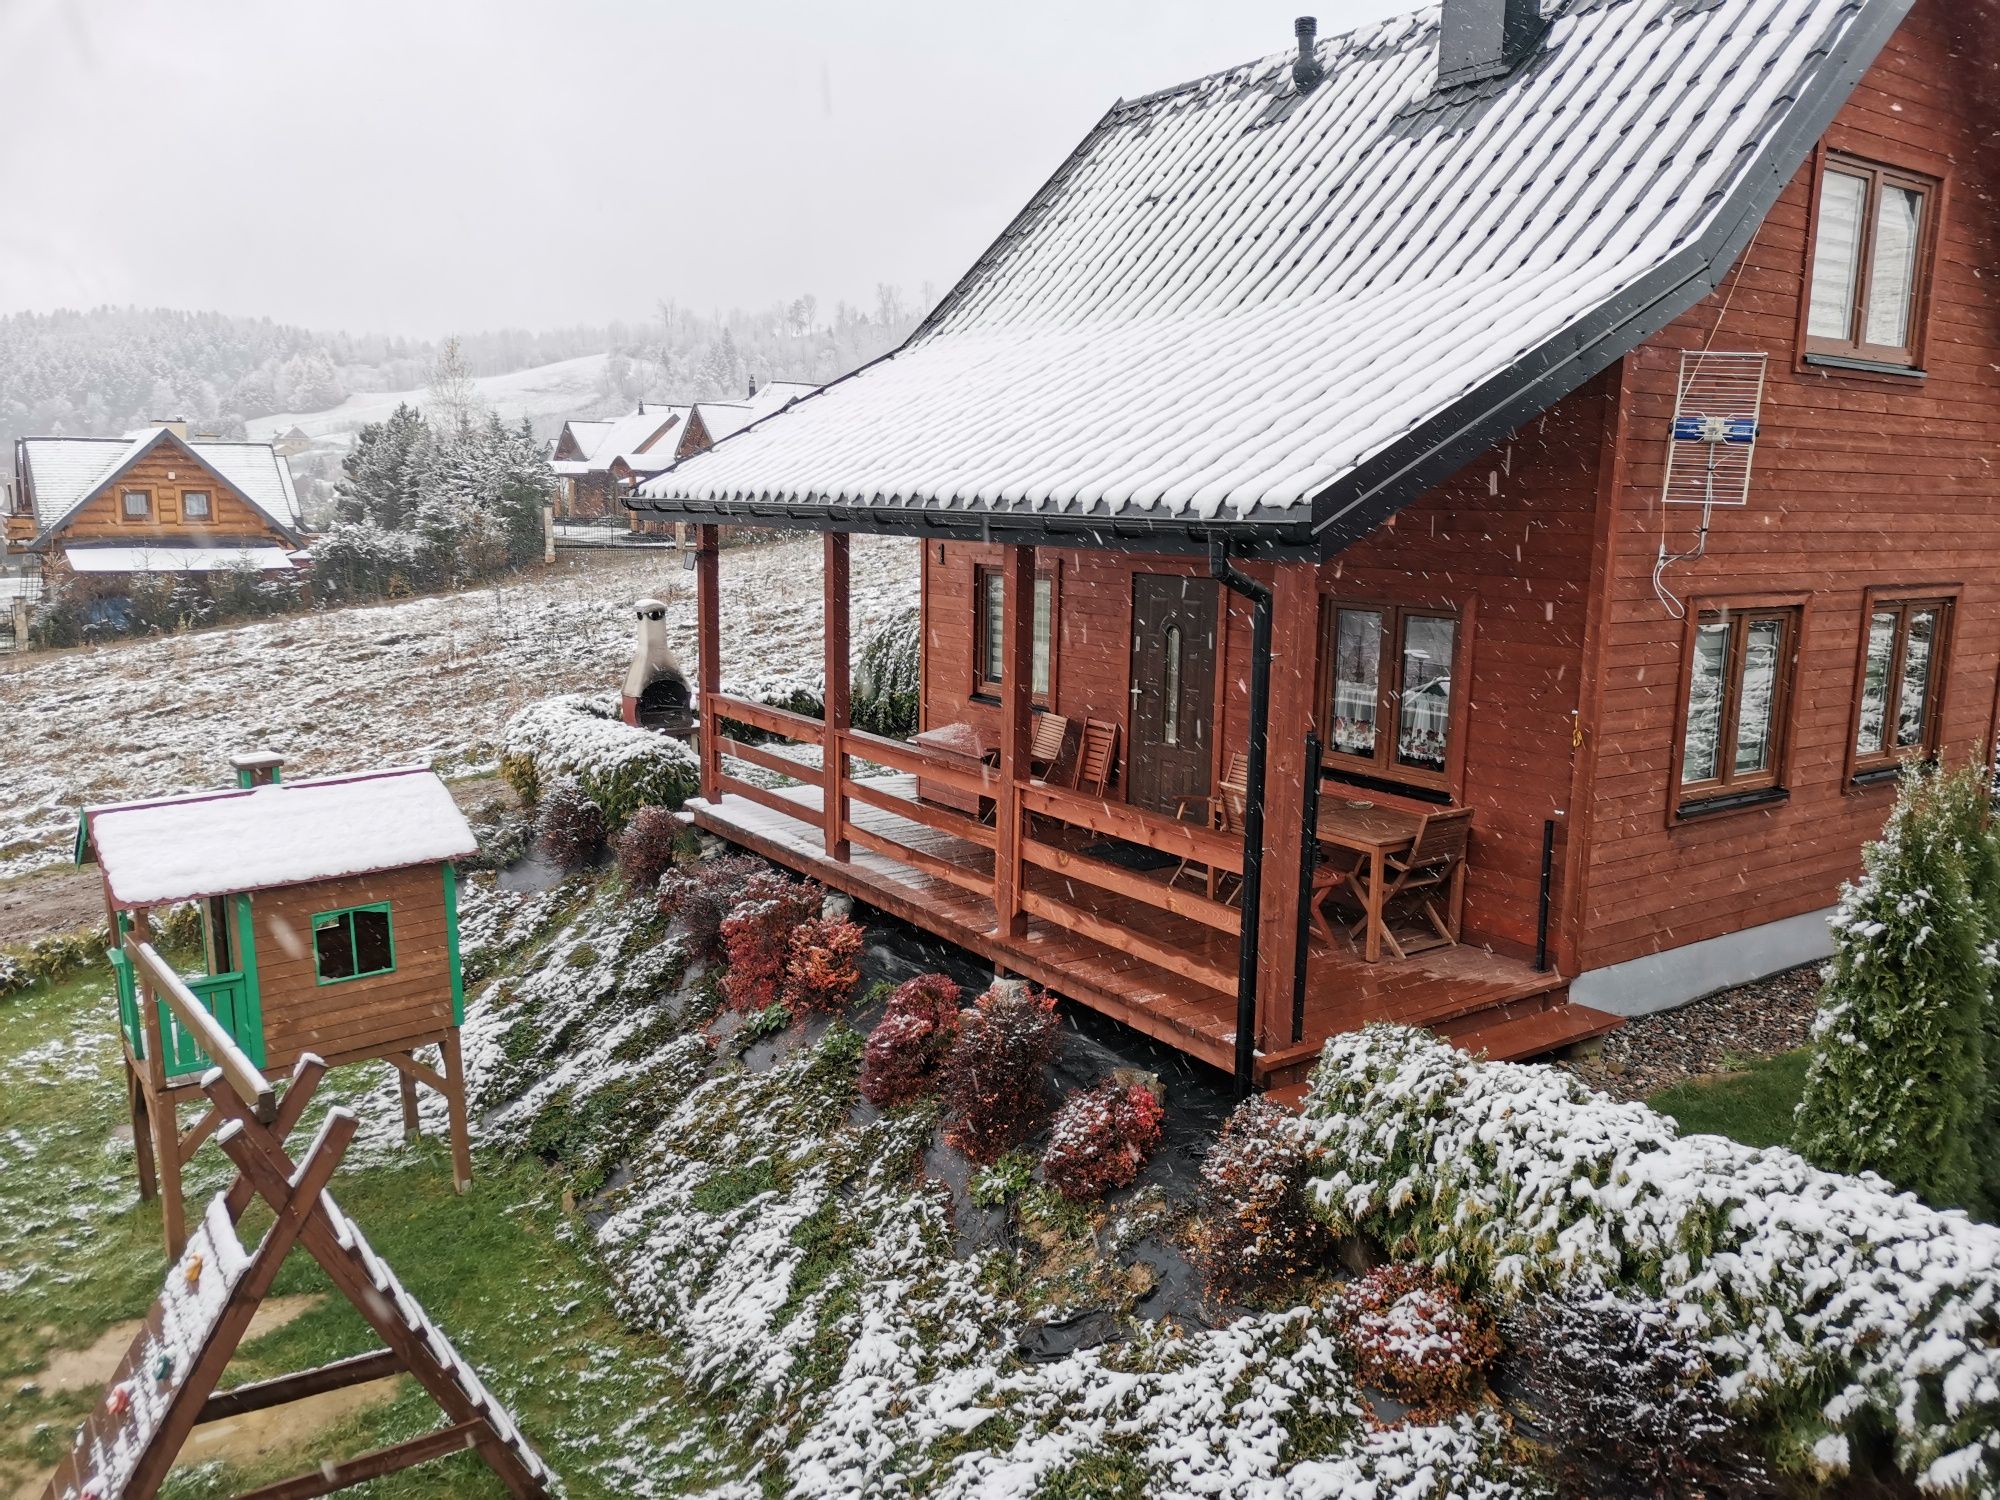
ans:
(1097, 758)
(1223, 812)
(1047, 745)
(1433, 866)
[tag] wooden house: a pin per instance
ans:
(1550, 456)
(154, 501)
(329, 922)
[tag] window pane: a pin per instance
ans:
(333, 947)
(1044, 618)
(1913, 705)
(1837, 255)
(1892, 287)
(1170, 708)
(1425, 719)
(992, 637)
(1875, 682)
(194, 505)
(1757, 705)
(1357, 680)
(136, 503)
(1701, 759)
(372, 953)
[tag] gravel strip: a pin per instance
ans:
(1708, 1035)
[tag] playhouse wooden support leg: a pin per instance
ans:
(167, 1155)
(412, 1128)
(454, 1098)
(142, 1134)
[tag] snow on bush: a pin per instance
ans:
(909, 1044)
(888, 676)
(1829, 1304)
(822, 965)
(1100, 1138)
(650, 845)
(570, 827)
(1415, 1337)
(1256, 1231)
(697, 898)
(580, 735)
(757, 936)
(996, 1088)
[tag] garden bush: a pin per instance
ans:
(822, 965)
(52, 957)
(1965, 798)
(996, 1088)
(757, 937)
(1100, 1138)
(909, 1044)
(888, 677)
(570, 827)
(1414, 1337)
(653, 842)
(699, 896)
(580, 736)
(1897, 1083)
(1255, 1230)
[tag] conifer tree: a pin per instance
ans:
(1966, 799)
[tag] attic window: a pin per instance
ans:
(136, 505)
(1872, 251)
(194, 505)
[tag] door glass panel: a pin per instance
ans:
(1701, 759)
(1756, 710)
(1893, 284)
(1357, 681)
(1170, 705)
(992, 636)
(1044, 618)
(1913, 707)
(1875, 682)
(1837, 255)
(1424, 721)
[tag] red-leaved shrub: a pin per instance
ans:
(757, 937)
(1100, 1138)
(570, 827)
(649, 847)
(995, 1087)
(908, 1045)
(1255, 1230)
(823, 965)
(1415, 1337)
(699, 896)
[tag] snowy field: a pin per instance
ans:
(430, 678)
(558, 390)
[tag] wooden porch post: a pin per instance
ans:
(838, 715)
(708, 654)
(1294, 683)
(1017, 690)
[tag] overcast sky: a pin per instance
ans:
(420, 166)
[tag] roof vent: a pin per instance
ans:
(1483, 39)
(1306, 69)
(753, 385)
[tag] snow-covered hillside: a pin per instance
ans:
(563, 389)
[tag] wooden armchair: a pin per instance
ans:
(1433, 869)
(1223, 812)
(1097, 757)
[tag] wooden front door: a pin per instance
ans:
(1173, 689)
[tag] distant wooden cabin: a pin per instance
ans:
(329, 922)
(1358, 441)
(153, 502)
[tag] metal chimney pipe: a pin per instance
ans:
(1306, 69)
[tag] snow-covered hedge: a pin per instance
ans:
(1830, 1304)
(580, 735)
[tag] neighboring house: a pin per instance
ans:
(1383, 348)
(152, 502)
(292, 443)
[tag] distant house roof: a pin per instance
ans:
(65, 474)
(1238, 308)
(725, 418)
(645, 440)
(220, 843)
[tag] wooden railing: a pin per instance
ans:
(158, 981)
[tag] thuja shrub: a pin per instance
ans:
(1965, 804)
(1100, 1138)
(697, 897)
(1256, 1229)
(909, 1044)
(823, 965)
(652, 844)
(1629, 1403)
(1414, 1337)
(570, 827)
(996, 1088)
(1897, 1083)
(757, 937)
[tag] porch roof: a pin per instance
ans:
(1237, 307)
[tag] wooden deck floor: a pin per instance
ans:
(1447, 988)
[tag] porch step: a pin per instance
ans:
(1506, 1037)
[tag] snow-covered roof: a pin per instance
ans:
(89, 559)
(646, 440)
(1237, 306)
(219, 843)
(725, 418)
(66, 473)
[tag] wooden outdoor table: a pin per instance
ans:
(960, 742)
(1375, 833)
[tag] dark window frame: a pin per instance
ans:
(1729, 786)
(1855, 351)
(347, 914)
(124, 513)
(1383, 764)
(1865, 767)
(207, 505)
(986, 576)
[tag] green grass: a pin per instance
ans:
(1751, 1103)
(503, 1270)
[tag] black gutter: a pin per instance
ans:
(1220, 568)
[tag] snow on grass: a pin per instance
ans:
(561, 389)
(425, 678)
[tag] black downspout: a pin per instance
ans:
(1221, 569)
(1542, 906)
(1308, 865)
